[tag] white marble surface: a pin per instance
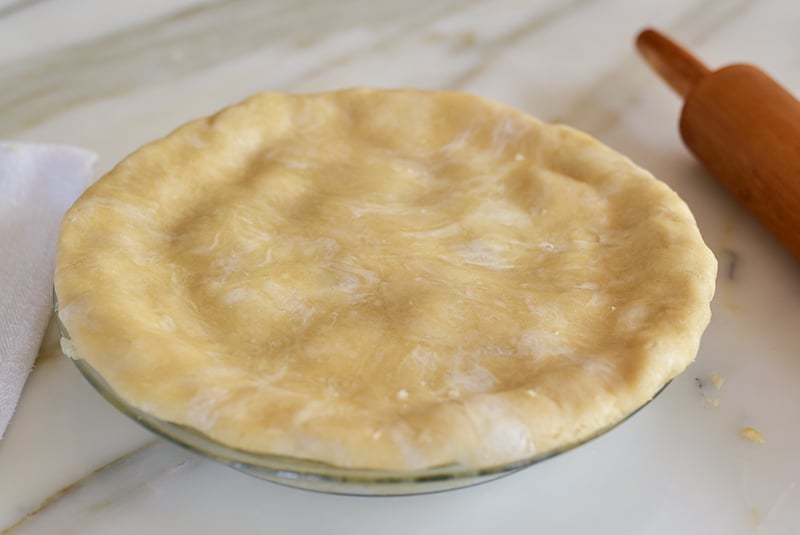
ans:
(112, 75)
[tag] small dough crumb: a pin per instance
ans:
(713, 402)
(717, 380)
(402, 394)
(752, 435)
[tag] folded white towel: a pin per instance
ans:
(37, 185)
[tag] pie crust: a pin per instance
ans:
(384, 279)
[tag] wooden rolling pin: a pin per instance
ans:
(743, 127)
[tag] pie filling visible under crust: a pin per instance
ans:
(383, 279)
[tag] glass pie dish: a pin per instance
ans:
(317, 476)
(429, 285)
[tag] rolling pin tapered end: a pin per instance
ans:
(676, 66)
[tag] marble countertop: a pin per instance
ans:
(110, 76)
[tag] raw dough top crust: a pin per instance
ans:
(383, 279)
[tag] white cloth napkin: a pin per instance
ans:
(37, 185)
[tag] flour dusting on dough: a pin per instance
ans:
(481, 253)
(383, 279)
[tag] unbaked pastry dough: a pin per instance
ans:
(383, 279)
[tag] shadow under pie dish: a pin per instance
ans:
(381, 282)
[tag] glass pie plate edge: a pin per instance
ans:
(313, 475)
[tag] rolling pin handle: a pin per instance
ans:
(676, 66)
